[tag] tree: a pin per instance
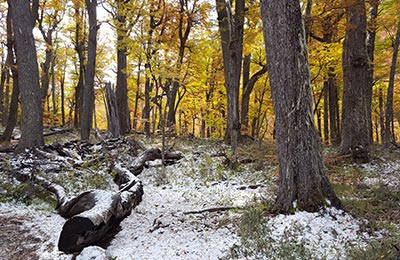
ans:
(23, 16)
(303, 184)
(88, 90)
(389, 122)
(355, 122)
(231, 24)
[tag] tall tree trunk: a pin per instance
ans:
(244, 120)
(53, 88)
(303, 184)
(372, 27)
(13, 110)
(381, 115)
(333, 100)
(137, 97)
(231, 24)
(88, 90)
(326, 113)
(355, 122)
(146, 108)
(389, 133)
(121, 91)
(5, 73)
(79, 47)
(23, 18)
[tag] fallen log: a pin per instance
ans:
(95, 213)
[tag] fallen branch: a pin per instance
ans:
(59, 131)
(216, 209)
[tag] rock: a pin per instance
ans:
(93, 253)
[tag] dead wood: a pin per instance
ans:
(59, 131)
(216, 209)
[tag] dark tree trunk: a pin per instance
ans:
(122, 79)
(79, 47)
(248, 86)
(389, 133)
(53, 87)
(231, 24)
(13, 110)
(326, 114)
(146, 109)
(23, 19)
(5, 73)
(372, 27)
(244, 120)
(303, 183)
(112, 114)
(88, 90)
(381, 115)
(137, 97)
(62, 89)
(355, 122)
(333, 100)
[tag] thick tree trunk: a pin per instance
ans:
(28, 74)
(303, 183)
(88, 89)
(112, 114)
(231, 30)
(389, 133)
(355, 122)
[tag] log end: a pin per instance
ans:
(72, 237)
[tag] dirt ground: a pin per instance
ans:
(16, 242)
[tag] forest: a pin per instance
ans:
(266, 129)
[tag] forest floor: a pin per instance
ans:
(205, 207)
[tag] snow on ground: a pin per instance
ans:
(386, 173)
(159, 228)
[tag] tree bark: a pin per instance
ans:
(303, 183)
(355, 122)
(23, 18)
(112, 114)
(389, 134)
(88, 89)
(121, 90)
(5, 73)
(79, 47)
(13, 110)
(248, 86)
(333, 100)
(372, 27)
(231, 26)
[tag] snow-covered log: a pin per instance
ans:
(95, 213)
